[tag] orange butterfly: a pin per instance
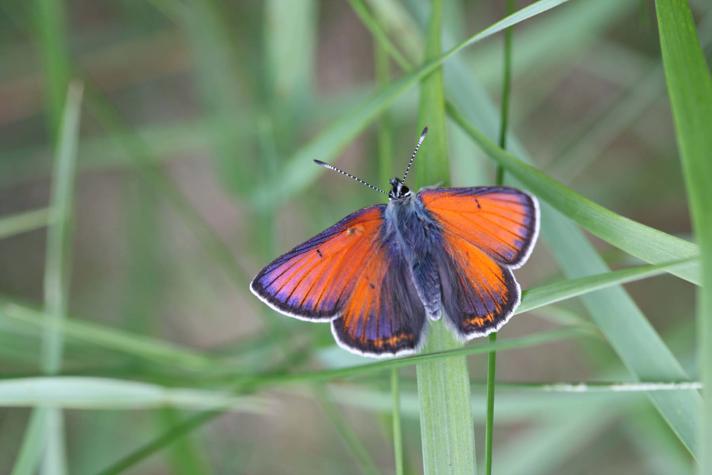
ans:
(379, 274)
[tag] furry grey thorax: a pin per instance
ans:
(411, 231)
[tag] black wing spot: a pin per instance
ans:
(478, 203)
(370, 284)
(318, 252)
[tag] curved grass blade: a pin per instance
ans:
(636, 342)
(142, 347)
(538, 297)
(93, 393)
(24, 222)
(299, 170)
(639, 240)
(446, 429)
(690, 89)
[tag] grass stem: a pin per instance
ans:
(499, 180)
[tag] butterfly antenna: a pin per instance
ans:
(347, 174)
(412, 157)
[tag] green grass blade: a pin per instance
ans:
(397, 432)
(32, 445)
(56, 284)
(299, 170)
(184, 456)
(95, 393)
(538, 297)
(385, 171)
(138, 346)
(499, 180)
(635, 238)
(349, 437)
(24, 222)
(633, 338)
(446, 428)
(194, 422)
(636, 342)
(690, 90)
(50, 17)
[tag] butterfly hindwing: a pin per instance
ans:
(485, 232)
(501, 221)
(383, 315)
(479, 294)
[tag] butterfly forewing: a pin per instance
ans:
(500, 221)
(314, 279)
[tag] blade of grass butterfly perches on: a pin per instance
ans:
(381, 273)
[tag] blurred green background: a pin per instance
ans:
(191, 110)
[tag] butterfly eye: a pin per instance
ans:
(404, 190)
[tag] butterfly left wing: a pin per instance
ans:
(486, 231)
(384, 315)
(354, 276)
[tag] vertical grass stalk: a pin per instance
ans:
(499, 180)
(56, 282)
(690, 89)
(446, 427)
(385, 171)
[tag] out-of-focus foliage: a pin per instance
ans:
(199, 120)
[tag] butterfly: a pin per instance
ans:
(381, 273)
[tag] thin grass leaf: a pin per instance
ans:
(385, 171)
(396, 426)
(137, 346)
(446, 428)
(50, 18)
(185, 455)
(499, 181)
(538, 297)
(349, 437)
(636, 342)
(144, 160)
(28, 459)
(23, 222)
(690, 90)
(299, 171)
(635, 238)
(93, 393)
(639, 345)
(56, 284)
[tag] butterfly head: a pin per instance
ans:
(398, 189)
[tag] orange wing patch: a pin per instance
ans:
(500, 221)
(313, 280)
(479, 294)
(383, 315)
